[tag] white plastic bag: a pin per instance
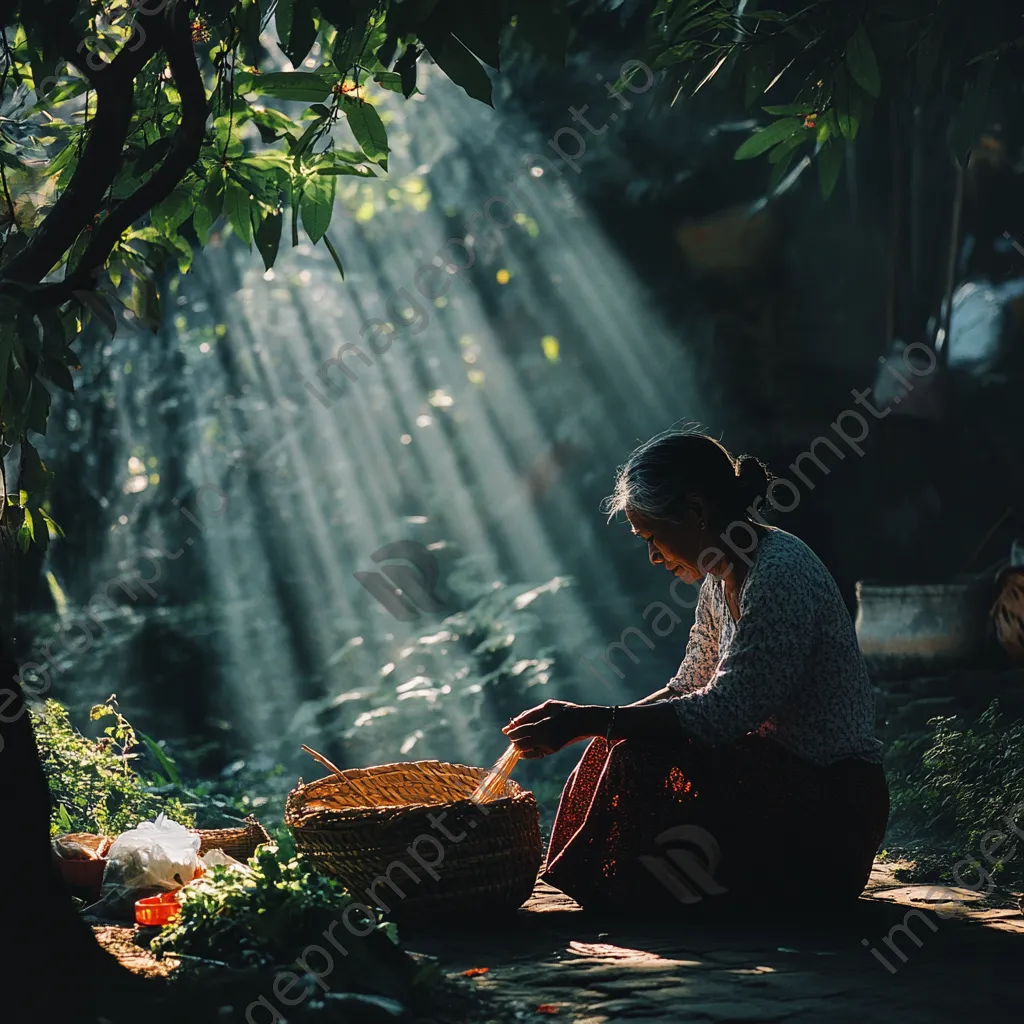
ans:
(159, 853)
(218, 858)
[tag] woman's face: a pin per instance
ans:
(677, 546)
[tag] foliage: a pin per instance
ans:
(268, 916)
(93, 785)
(472, 670)
(827, 66)
(446, 692)
(132, 130)
(965, 783)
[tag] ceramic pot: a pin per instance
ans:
(907, 628)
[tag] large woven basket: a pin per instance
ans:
(365, 827)
(240, 842)
(1008, 613)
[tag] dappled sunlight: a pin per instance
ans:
(483, 423)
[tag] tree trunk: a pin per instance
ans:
(55, 967)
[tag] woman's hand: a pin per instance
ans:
(551, 726)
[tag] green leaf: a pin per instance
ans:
(64, 822)
(795, 109)
(210, 205)
(788, 146)
(390, 80)
(459, 65)
(99, 307)
(173, 211)
(54, 334)
(35, 477)
(144, 302)
(368, 129)
(406, 68)
(299, 147)
(478, 26)
(18, 387)
(227, 138)
(25, 532)
(317, 204)
(56, 371)
(303, 32)
(27, 346)
(283, 21)
(849, 105)
(304, 86)
(55, 352)
(296, 200)
(863, 65)
(334, 255)
(359, 170)
(52, 525)
(237, 210)
(268, 160)
(182, 251)
(268, 237)
(38, 411)
(830, 163)
(349, 43)
(169, 767)
(828, 126)
(272, 124)
(764, 139)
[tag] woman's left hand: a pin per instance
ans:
(549, 727)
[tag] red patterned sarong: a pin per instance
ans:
(783, 826)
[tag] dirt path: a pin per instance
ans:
(951, 956)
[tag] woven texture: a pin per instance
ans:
(1008, 613)
(240, 843)
(361, 825)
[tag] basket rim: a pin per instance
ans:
(519, 795)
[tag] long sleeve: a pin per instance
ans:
(701, 658)
(764, 665)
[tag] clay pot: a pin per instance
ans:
(906, 628)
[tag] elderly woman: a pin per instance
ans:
(755, 771)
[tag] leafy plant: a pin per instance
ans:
(132, 131)
(473, 669)
(266, 917)
(820, 69)
(965, 783)
(93, 786)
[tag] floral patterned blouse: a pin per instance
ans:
(789, 668)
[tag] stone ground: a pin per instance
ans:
(554, 960)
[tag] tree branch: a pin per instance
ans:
(176, 39)
(101, 160)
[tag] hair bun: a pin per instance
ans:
(752, 480)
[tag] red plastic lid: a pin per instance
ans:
(157, 910)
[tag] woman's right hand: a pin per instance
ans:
(551, 726)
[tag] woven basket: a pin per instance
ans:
(240, 843)
(1008, 613)
(361, 824)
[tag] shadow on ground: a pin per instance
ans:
(903, 953)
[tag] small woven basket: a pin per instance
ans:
(406, 838)
(240, 842)
(1008, 613)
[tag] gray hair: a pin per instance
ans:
(662, 472)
